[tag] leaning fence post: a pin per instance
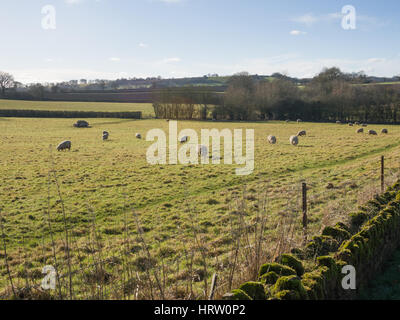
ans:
(213, 286)
(383, 174)
(304, 192)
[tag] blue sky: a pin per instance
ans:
(176, 38)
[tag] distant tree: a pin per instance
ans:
(55, 89)
(6, 82)
(37, 91)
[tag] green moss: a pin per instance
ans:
(314, 284)
(254, 290)
(321, 245)
(357, 219)
(236, 294)
(336, 233)
(291, 283)
(327, 261)
(288, 295)
(298, 253)
(269, 278)
(279, 269)
(292, 262)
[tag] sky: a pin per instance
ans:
(110, 39)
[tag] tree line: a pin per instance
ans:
(330, 96)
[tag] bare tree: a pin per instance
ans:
(6, 81)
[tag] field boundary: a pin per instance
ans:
(370, 239)
(15, 113)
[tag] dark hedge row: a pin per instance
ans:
(69, 114)
(371, 238)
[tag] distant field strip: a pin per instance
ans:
(145, 108)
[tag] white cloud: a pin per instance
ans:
(311, 19)
(114, 59)
(73, 1)
(143, 45)
(297, 32)
(307, 19)
(171, 60)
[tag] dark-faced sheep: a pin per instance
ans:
(338, 122)
(361, 130)
(364, 125)
(64, 145)
(272, 139)
(357, 123)
(184, 139)
(350, 124)
(385, 131)
(105, 135)
(302, 133)
(372, 132)
(138, 136)
(294, 140)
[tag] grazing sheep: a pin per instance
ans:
(294, 140)
(361, 130)
(64, 145)
(302, 133)
(202, 150)
(105, 135)
(81, 124)
(338, 122)
(357, 123)
(138, 136)
(287, 121)
(364, 125)
(385, 131)
(299, 120)
(372, 132)
(184, 139)
(350, 124)
(272, 139)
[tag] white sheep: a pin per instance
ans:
(272, 139)
(184, 139)
(294, 140)
(299, 120)
(64, 145)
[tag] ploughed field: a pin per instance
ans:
(107, 188)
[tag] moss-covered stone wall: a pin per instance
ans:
(315, 271)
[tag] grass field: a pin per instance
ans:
(145, 108)
(183, 210)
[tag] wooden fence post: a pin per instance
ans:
(213, 286)
(304, 192)
(383, 174)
